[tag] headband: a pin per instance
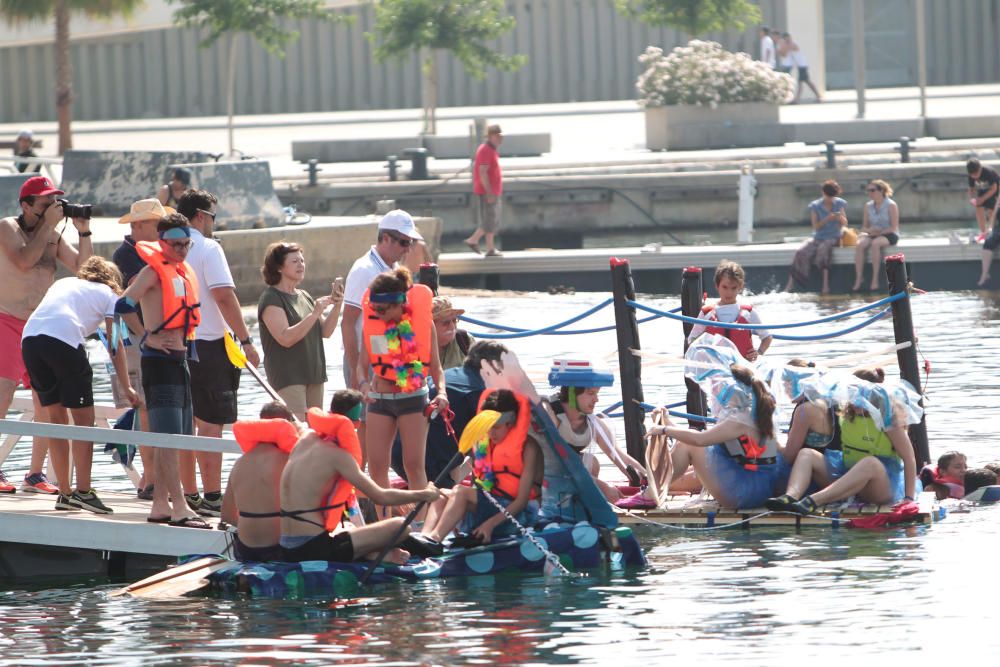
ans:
(176, 233)
(388, 297)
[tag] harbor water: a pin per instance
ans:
(747, 597)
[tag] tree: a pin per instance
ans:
(258, 18)
(24, 11)
(694, 17)
(464, 27)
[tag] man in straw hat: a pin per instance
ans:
(454, 342)
(141, 218)
(31, 246)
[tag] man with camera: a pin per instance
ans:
(31, 247)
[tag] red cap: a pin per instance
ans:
(38, 186)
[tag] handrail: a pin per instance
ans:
(103, 435)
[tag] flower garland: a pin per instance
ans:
(402, 344)
(483, 465)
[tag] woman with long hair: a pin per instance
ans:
(879, 229)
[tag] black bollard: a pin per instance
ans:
(830, 151)
(904, 149)
(692, 298)
(909, 369)
(430, 275)
(629, 365)
(313, 170)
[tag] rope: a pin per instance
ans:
(734, 325)
(552, 330)
(834, 334)
(723, 526)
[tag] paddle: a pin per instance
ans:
(238, 359)
(477, 428)
(175, 581)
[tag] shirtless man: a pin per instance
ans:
(254, 486)
(31, 246)
(315, 467)
(172, 289)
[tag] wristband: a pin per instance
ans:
(84, 235)
(908, 498)
(247, 341)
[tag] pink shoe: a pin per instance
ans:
(636, 502)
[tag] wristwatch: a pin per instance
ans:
(247, 341)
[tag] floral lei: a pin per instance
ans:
(483, 465)
(402, 344)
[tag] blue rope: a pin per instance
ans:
(734, 325)
(552, 330)
(645, 406)
(834, 334)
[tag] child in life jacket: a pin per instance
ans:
(947, 478)
(729, 281)
(507, 465)
(253, 493)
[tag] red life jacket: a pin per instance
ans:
(337, 430)
(750, 453)
(740, 337)
(279, 432)
(419, 300)
(506, 458)
(179, 287)
(955, 486)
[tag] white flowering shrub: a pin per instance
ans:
(705, 74)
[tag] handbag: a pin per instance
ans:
(849, 237)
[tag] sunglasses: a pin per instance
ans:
(179, 245)
(873, 189)
(449, 321)
(208, 213)
(383, 309)
(402, 241)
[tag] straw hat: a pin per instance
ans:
(145, 209)
(443, 310)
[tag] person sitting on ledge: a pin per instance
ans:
(828, 215)
(321, 474)
(253, 494)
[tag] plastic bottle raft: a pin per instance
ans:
(579, 547)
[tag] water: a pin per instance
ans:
(767, 596)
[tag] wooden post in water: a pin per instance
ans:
(692, 298)
(909, 369)
(430, 275)
(629, 365)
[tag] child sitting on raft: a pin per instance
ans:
(947, 478)
(879, 463)
(322, 473)
(729, 281)
(252, 501)
(507, 465)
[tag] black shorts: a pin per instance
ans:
(988, 206)
(59, 373)
(246, 554)
(892, 238)
(803, 74)
(991, 242)
(214, 381)
(338, 548)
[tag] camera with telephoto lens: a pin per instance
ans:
(83, 211)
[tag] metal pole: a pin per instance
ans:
(692, 297)
(629, 365)
(922, 55)
(858, 39)
(747, 192)
(909, 369)
(430, 275)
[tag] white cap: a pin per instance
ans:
(399, 221)
(26, 134)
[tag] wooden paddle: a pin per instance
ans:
(175, 581)
(477, 428)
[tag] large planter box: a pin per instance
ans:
(740, 125)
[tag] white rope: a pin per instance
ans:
(722, 526)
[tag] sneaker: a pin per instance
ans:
(782, 503)
(38, 483)
(211, 505)
(5, 486)
(637, 502)
(89, 501)
(805, 507)
(193, 500)
(63, 502)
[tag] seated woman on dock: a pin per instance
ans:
(322, 473)
(507, 466)
(252, 501)
(401, 350)
(879, 229)
(738, 460)
(879, 462)
(828, 215)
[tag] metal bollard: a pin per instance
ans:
(747, 192)
(904, 149)
(313, 170)
(831, 153)
(393, 164)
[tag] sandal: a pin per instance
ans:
(474, 247)
(190, 522)
(158, 519)
(494, 253)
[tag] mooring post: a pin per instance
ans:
(629, 365)
(430, 275)
(692, 298)
(909, 368)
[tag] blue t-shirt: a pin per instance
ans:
(831, 230)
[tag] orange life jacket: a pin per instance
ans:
(279, 432)
(419, 298)
(506, 458)
(750, 453)
(179, 286)
(337, 430)
(740, 337)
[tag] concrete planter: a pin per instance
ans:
(684, 127)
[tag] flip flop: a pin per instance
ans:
(494, 253)
(158, 519)
(474, 247)
(190, 522)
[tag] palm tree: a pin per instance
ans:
(25, 11)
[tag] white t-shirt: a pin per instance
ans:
(728, 314)
(360, 276)
(767, 54)
(71, 310)
(799, 58)
(208, 260)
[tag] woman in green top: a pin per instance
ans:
(293, 326)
